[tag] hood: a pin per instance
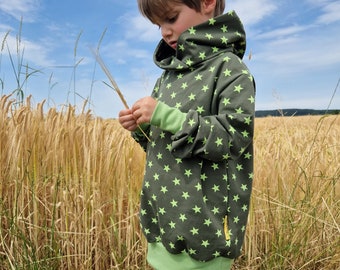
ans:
(198, 43)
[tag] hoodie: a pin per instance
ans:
(199, 168)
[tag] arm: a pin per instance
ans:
(228, 131)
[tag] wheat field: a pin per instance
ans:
(70, 182)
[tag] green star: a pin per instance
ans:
(232, 130)
(192, 251)
(203, 177)
(156, 176)
(216, 210)
(178, 105)
(168, 86)
(167, 168)
(179, 66)
(197, 209)
(177, 182)
(226, 101)
(224, 29)
(182, 217)
(181, 47)
(173, 95)
(236, 198)
(143, 212)
(251, 99)
(179, 160)
(226, 156)
(217, 254)
(239, 167)
(192, 31)
(216, 188)
(219, 141)
(164, 189)
(245, 134)
(162, 211)
(198, 187)
(189, 62)
(150, 164)
(191, 122)
(244, 208)
(200, 109)
(207, 222)
(215, 166)
(226, 59)
(244, 187)
(219, 233)
(185, 195)
(208, 36)
(224, 40)
(205, 88)
(212, 69)
(247, 156)
(227, 73)
(215, 49)
(174, 203)
(184, 85)
(198, 77)
(202, 55)
(159, 156)
(147, 184)
(190, 139)
(192, 97)
(180, 76)
(238, 88)
(236, 219)
(194, 231)
(239, 111)
(247, 120)
(205, 243)
(172, 225)
(212, 21)
(188, 173)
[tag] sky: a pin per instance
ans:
(294, 49)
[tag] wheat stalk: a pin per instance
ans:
(114, 84)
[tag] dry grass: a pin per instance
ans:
(70, 185)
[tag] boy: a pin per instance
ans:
(199, 118)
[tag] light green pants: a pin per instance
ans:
(160, 259)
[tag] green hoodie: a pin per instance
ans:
(199, 169)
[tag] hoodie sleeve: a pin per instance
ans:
(229, 130)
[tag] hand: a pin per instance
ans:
(127, 120)
(143, 109)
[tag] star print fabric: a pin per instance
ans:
(197, 184)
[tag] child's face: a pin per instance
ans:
(180, 18)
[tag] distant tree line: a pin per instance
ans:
(294, 112)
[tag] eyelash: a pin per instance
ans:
(172, 19)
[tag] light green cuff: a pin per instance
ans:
(167, 118)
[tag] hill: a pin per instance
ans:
(294, 112)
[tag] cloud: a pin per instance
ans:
(18, 9)
(33, 52)
(282, 32)
(331, 13)
(139, 28)
(252, 12)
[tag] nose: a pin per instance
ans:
(166, 31)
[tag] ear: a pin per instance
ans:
(208, 7)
